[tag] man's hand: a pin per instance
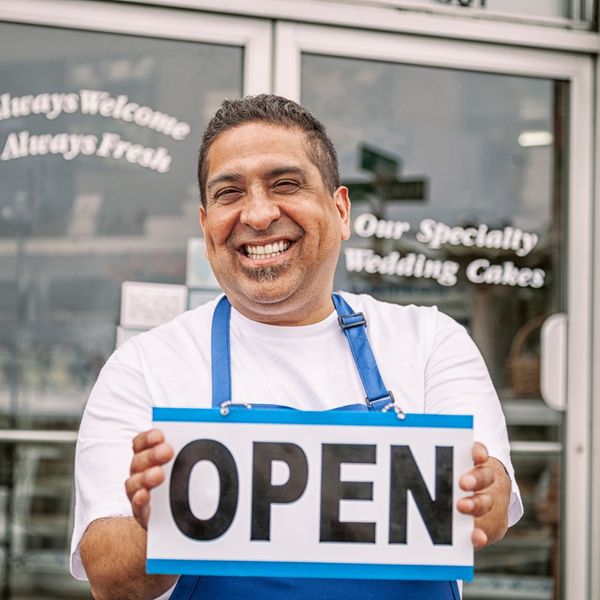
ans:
(490, 486)
(113, 550)
(146, 472)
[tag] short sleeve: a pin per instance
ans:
(457, 382)
(119, 407)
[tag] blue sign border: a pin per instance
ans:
(158, 566)
(242, 414)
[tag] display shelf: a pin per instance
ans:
(535, 447)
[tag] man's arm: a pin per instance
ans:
(113, 550)
(491, 488)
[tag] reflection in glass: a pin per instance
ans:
(75, 224)
(98, 144)
(457, 183)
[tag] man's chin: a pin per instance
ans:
(267, 274)
(267, 285)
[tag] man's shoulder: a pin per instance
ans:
(370, 305)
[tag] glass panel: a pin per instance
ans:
(37, 495)
(534, 8)
(457, 184)
(98, 144)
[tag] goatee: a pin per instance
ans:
(270, 273)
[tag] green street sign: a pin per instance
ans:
(405, 189)
(375, 161)
(399, 189)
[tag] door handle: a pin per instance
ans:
(553, 375)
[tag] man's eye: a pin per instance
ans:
(227, 195)
(286, 186)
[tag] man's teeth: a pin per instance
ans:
(267, 251)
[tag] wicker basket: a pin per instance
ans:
(524, 367)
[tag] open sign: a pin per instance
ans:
(312, 494)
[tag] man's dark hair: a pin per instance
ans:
(275, 110)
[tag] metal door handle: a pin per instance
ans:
(553, 376)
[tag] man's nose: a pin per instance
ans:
(260, 210)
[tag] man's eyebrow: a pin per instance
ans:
(224, 177)
(285, 170)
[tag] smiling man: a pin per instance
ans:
(273, 215)
(272, 226)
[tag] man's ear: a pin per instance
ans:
(342, 203)
(202, 217)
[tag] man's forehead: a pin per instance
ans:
(258, 146)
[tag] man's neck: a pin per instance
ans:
(285, 313)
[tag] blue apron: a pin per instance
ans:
(191, 587)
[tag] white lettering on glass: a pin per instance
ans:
(410, 265)
(482, 271)
(92, 103)
(436, 234)
(368, 225)
(71, 145)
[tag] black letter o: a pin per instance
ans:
(219, 523)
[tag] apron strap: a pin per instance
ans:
(221, 354)
(354, 326)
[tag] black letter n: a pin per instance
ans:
(405, 477)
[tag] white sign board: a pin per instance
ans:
(290, 493)
(146, 305)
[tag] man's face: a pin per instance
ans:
(272, 230)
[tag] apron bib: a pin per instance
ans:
(192, 587)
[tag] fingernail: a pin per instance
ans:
(468, 505)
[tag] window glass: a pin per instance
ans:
(98, 144)
(457, 181)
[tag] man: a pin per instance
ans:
(273, 215)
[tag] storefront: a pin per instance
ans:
(467, 132)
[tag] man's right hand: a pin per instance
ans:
(151, 452)
(113, 549)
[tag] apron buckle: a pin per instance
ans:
(225, 407)
(352, 320)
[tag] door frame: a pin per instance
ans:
(254, 35)
(291, 40)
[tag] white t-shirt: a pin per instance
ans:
(425, 358)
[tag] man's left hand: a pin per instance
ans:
(490, 487)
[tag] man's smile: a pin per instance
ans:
(264, 251)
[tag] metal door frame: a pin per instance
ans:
(293, 39)
(254, 35)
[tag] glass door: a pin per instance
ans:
(101, 112)
(469, 171)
